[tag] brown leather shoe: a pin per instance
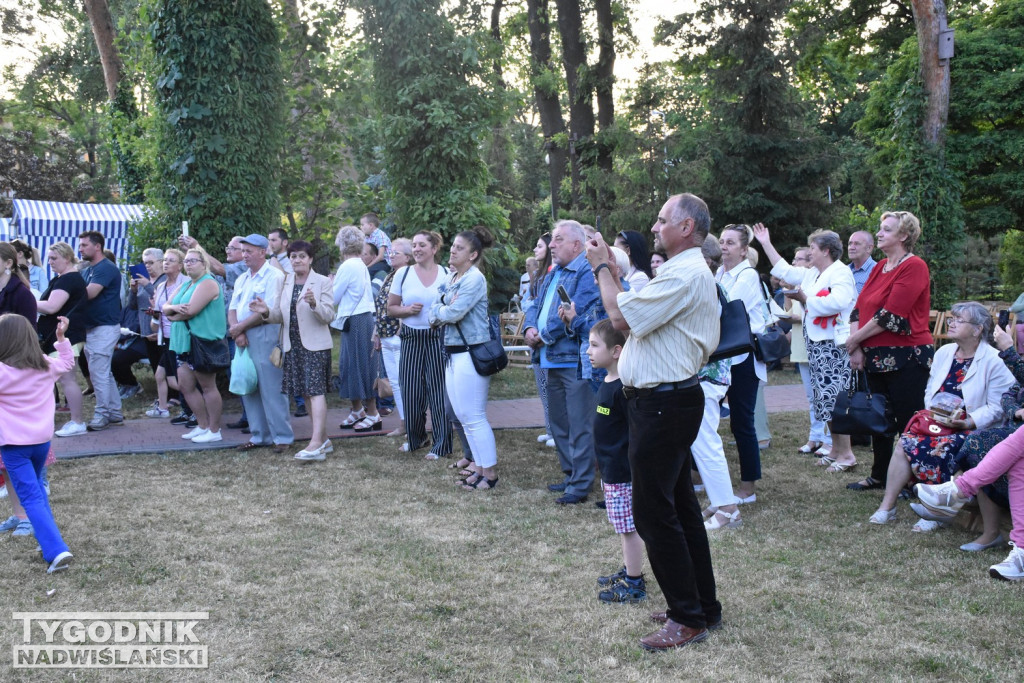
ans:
(281, 447)
(673, 635)
(662, 617)
(248, 446)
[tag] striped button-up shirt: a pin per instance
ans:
(674, 323)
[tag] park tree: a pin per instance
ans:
(217, 77)
(750, 131)
(433, 114)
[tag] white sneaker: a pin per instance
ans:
(207, 437)
(543, 438)
(72, 429)
(550, 443)
(1010, 569)
(942, 500)
(157, 411)
(60, 562)
(194, 433)
(883, 516)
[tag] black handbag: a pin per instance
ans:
(489, 358)
(209, 355)
(859, 412)
(770, 346)
(735, 338)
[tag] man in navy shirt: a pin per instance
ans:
(102, 316)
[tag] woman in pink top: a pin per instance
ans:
(26, 423)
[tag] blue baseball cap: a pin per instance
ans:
(256, 240)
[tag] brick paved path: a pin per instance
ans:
(159, 436)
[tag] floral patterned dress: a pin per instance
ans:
(934, 459)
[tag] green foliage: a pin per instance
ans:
(433, 116)
(45, 169)
(1011, 262)
(923, 184)
(219, 116)
(980, 279)
(759, 157)
(985, 136)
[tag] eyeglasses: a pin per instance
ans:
(192, 260)
(958, 321)
(231, 248)
(153, 262)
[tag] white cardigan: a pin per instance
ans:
(983, 386)
(840, 300)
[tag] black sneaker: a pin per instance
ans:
(612, 579)
(301, 412)
(193, 421)
(627, 590)
(182, 419)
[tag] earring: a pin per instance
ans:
(7, 271)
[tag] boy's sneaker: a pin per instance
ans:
(612, 579)
(942, 500)
(627, 590)
(24, 528)
(1010, 569)
(10, 524)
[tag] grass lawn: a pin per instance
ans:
(373, 566)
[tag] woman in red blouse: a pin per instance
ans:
(893, 342)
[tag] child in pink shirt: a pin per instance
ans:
(26, 423)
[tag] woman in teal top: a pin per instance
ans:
(197, 310)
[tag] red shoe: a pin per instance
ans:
(673, 635)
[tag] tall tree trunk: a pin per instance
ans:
(103, 31)
(499, 160)
(930, 19)
(546, 95)
(604, 82)
(578, 83)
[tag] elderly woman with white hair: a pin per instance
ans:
(970, 369)
(353, 298)
(827, 292)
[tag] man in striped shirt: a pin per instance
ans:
(673, 326)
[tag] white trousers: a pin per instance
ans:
(467, 392)
(708, 453)
(391, 352)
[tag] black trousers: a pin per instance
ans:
(904, 394)
(662, 428)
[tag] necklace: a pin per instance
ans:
(891, 267)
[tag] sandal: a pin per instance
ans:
(470, 480)
(866, 484)
(810, 447)
(460, 464)
(837, 466)
(369, 423)
(352, 419)
(481, 484)
(825, 461)
(430, 456)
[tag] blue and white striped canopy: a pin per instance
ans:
(40, 224)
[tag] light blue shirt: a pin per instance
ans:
(860, 275)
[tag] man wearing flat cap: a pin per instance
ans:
(267, 407)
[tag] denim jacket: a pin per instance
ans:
(563, 341)
(463, 301)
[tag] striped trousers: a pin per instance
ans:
(421, 375)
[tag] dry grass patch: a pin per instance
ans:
(373, 566)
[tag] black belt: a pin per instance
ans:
(456, 349)
(633, 392)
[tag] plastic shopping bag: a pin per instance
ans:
(243, 373)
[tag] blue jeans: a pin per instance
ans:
(25, 467)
